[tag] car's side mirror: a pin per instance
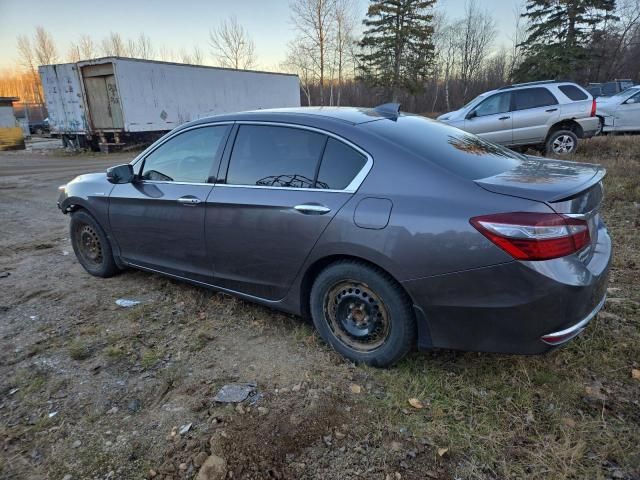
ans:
(121, 173)
(471, 114)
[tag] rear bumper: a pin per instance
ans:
(590, 126)
(508, 308)
(563, 336)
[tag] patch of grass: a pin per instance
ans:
(150, 357)
(114, 352)
(79, 350)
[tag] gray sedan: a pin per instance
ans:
(388, 230)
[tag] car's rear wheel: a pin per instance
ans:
(562, 142)
(363, 313)
(91, 245)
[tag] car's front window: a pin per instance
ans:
(498, 103)
(187, 157)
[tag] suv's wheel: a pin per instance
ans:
(562, 142)
(91, 245)
(363, 313)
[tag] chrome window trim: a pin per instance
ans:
(168, 136)
(353, 186)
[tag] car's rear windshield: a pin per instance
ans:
(459, 152)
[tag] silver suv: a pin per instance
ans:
(548, 115)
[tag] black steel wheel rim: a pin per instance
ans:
(357, 316)
(88, 243)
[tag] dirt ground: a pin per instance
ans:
(89, 389)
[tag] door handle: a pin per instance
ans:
(552, 110)
(312, 209)
(189, 201)
(504, 118)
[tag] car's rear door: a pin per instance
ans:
(491, 119)
(279, 188)
(535, 110)
(158, 220)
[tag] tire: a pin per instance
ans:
(561, 142)
(91, 245)
(362, 313)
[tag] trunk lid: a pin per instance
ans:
(569, 188)
(544, 180)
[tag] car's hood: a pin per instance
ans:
(454, 115)
(544, 180)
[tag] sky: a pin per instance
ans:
(183, 24)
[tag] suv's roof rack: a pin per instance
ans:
(527, 84)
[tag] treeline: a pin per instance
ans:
(403, 50)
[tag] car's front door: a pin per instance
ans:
(282, 187)
(627, 117)
(491, 119)
(535, 110)
(158, 220)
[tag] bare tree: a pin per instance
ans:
(344, 18)
(231, 45)
(299, 61)
(113, 45)
(44, 48)
(447, 40)
(477, 32)
(131, 49)
(87, 47)
(313, 19)
(144, 47)
(519, 34)
(197, 56)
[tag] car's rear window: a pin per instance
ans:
(573, 92)
(459, 152)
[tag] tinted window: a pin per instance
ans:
(498, 103)
(187, 157)
(459, 152)
(275, 156)
(533, 98)
(573, 92)
(340, 164)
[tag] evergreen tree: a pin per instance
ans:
(397, 48)
(558, 37)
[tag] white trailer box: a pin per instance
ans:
(124, 99)
(64, 99)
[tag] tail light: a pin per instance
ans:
(593, 107)
(534, 236)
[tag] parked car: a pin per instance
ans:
(608, 89)
(549, 116)
(620, 113)
(39, 127)
(386, 229)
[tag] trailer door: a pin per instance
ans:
(102, 97)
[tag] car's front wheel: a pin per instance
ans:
(91, 245)
(562, 142)
(363, 313)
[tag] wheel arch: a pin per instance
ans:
(318, 265)
(567, 124)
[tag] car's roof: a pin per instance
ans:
(349, 115)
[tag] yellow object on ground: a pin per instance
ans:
(11, 138)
